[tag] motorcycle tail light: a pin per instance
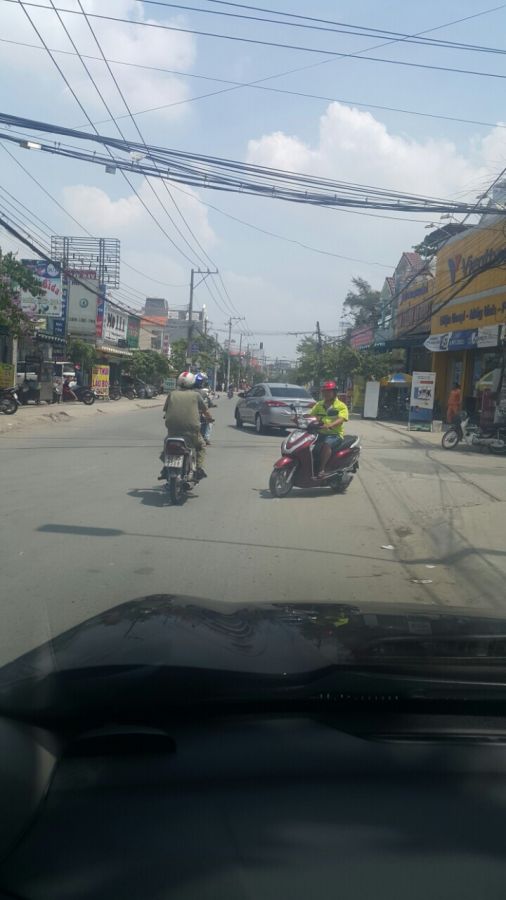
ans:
(174, 449)
(341, 453)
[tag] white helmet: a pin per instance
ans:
(186, 380)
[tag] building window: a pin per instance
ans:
(156, 342)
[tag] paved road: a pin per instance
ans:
(86, 526)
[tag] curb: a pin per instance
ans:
(9, 424)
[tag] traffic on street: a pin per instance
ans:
(253, 450)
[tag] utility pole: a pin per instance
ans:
(319, 350)
(229, 323)
(190, 320)
(193, 286)
(239, 373)
(215, 375)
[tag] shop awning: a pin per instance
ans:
(114, 351)
(397, 379)
(471, 339)
(45, 338)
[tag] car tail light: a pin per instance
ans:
(275, 403)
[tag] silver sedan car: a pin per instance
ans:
(270, 405)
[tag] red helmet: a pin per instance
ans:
(329, 386)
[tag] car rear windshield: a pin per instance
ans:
(290, 392)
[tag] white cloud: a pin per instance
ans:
(354, 146)
(148, 46)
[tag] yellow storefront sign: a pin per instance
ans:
(470, 282)
(414, 310)
(100, 380)
(6, 375)
(489, 310)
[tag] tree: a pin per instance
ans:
(362, 303)
(148, 365)
(14, 276)
(81, 353)
(434, 240)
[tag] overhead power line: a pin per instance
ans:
(141, 136)
(23, 4)
(331, 26)
(274, 44)
(81, 226)
(202, 171)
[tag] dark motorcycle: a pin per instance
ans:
(464, 430)
(298, 465)
(81, 394)
(9, 401)
(180, 468)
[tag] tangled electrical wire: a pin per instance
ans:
(200, 171)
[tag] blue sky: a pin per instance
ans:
(277, 285)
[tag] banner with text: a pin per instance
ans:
(421, 404)
(100, 380)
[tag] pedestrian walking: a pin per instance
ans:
(454, 402)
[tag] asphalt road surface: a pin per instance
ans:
(86, 525)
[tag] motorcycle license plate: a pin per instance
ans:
(175, 461)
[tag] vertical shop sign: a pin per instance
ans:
(101, 304)
(421, 404)
(100, 380)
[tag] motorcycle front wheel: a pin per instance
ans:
(450, 439)
(88, 398)
(8, 406)
(280, 483)
(176, 490)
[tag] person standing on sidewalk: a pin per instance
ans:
(454, 402)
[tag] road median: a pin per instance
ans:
(28, 417)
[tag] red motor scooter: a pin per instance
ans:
(298, 465)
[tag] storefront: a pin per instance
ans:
(469, 310)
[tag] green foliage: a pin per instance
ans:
(434, 240)
(13, 276)
(148, 365)
(362, 303)
(81, 353)
(340, 362)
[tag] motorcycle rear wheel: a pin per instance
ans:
(339, 485)
(88, 398)
(8, 406)
(280, 483)
(176, 490)
(450, 439)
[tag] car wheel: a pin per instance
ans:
(259, 425)
(238, 421)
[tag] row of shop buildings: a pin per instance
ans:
(448, 314)
(77, 303)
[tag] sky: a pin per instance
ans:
(277, 284)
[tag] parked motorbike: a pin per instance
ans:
(82, 394)
(28, 391)
(9, 401)
(180, 468)
(298, 467)
(114, 391)
(464, 430)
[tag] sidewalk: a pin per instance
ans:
(430, 438)
(28, 417)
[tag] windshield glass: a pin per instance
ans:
(291, 392)
(211, 218)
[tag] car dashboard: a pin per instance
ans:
(261, 805)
